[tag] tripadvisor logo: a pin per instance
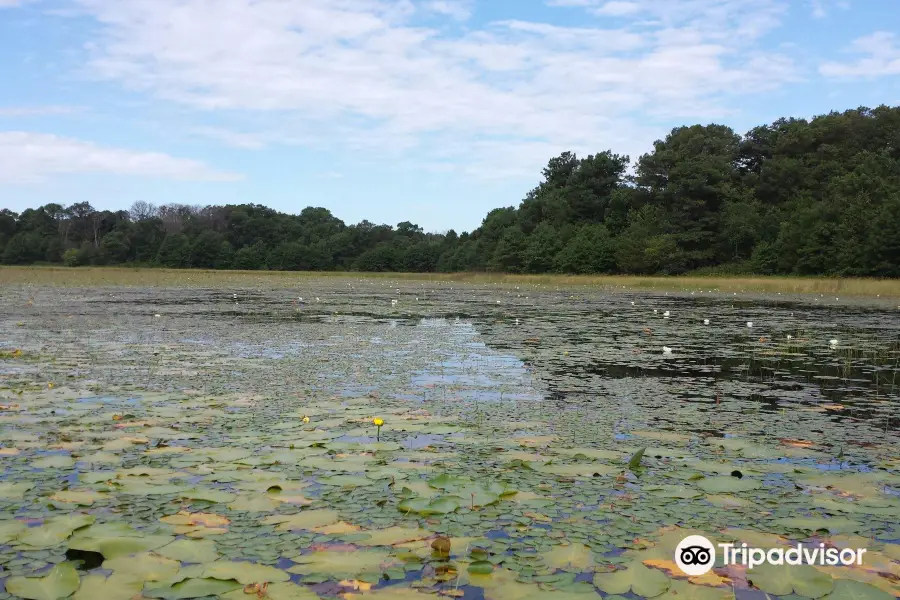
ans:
(696, 555)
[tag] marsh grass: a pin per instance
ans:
(146, 277)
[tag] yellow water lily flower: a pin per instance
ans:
(378, 421)
(50, 386)
(305, 419)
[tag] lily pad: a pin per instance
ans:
(60, 582)
(143, 567)
(244, 572)
(847, 589)
(308, 519)
(190, 551)
(54, 530)
(727, 485)
(781, 580)
(635, 578)
(192, 588)
(337, 564)
(114, 587)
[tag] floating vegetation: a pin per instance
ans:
(214, 443)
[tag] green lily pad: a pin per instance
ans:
(190, 551)
(14, 491)
(192, 588)
(54, 530)
(254, 503)
(449, 482)
(636, 578)
(392, 535)
(216, 496)
(10, 530)
(847, 589)
(831, 524)
(577, 469)
(338, 564)
(307, 519)
(55, 461)
(277, 591)
(244, 572)
(675, 491)
(114, 587)
(436, 506)
(82, 498)
(727, 485)
(60, 582)
(780, 580)
(143, 567)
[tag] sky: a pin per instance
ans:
(432, 111)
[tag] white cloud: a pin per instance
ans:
(618, 8)
(369, 73)
(818, 9)
(458, 9)
(881, 57)
(246, 141)
(29, 157)
(37, 111)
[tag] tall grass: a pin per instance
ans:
(143, 277)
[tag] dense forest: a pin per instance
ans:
(818, 196)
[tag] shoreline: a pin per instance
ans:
(150, 276)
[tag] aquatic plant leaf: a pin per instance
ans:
(14, 490)
(82, 498)
(192, 588)
(190, 551)
(114, 587)
(216, 496)
(244, 572)
(831, 524)
(635, 578)
(682, 590)
(10, 530)
(392, 535)
(635, 461)
(258, 504)
(571, 556)
(307, 519)
(347, 564)
(449, 482)
(847, 589)
(143, 567)
(119, 546)
(277, 591)
(60, 582)
(577, 469)
(54, 461)
(54, 530)
(781, 580)
(727, 485)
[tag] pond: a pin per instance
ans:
(536, 442)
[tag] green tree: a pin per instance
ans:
(175, 251)
(206, 249)
(114, 248)
(250, 258)
(540, 249)
(508, 256)
(25, 247)
(590, 250)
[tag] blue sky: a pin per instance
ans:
(433, 111)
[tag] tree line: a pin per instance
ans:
(805, 197)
